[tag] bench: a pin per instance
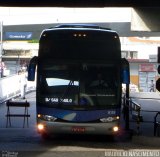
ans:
(25, 115)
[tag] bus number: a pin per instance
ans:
(56, 100)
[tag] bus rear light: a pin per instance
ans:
(80, 35)
(115, 128)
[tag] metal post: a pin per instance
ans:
(1, 49)
(1, 40)
(155, 123)
(127, 107)
(138, 120)
(126, 80)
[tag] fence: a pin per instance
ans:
(136, 116)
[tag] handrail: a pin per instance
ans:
(134, 106)
(137, 108)
(156, 124)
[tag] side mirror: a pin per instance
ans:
(32, 68)
(125, 71)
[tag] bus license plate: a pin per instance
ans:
(78, 129)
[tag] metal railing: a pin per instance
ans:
(135, 111)
(156, 125)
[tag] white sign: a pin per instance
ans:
(153, 58)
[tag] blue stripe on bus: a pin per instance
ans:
(78, 116)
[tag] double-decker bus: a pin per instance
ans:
(79, 80)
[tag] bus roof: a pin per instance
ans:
(80, 26)
(80, 41)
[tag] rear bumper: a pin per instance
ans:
(80, 128)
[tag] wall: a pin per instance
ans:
(137, 75)
(134, 78)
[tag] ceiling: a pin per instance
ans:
(80, 3)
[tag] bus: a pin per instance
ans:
(79, 76)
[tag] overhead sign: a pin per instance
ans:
(18, 35)
(153, 58)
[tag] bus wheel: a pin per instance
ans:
(124, 136)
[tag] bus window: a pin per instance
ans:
(125, 72)
(79, 83)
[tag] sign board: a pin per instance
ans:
(147, 67)
(18, 35)
(153, 58)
